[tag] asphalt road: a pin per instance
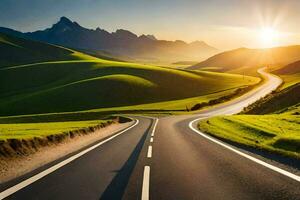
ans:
(163, 158)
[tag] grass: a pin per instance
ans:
(65, 86)
(50, 89)
(274, 133)
(277, 102)
(24, 139)
(290, 80)
(17, 51)
(276, 129)
(40, 78)
(31, 130)
(182, 104)
(166, 107)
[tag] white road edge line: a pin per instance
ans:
(146, 183)
(276, 169)
(40, 175)
(154, 127)
(149, 154)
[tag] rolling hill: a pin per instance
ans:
(247, 61)
(121, 43)
(16, 51)
(271, 124)
(289, 73)
(286, 97)
(293, 68)
(90, 83)
(277, 102)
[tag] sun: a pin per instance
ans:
(268, 36)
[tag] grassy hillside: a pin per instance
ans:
(80, 85)
(16, 51)
(289, 73)
(272, 123)
(73, 81)
(247, 61)
(31, 130)
(286, 96)
(65, 90)
(275, 133)
(293, 68)
(278, 101)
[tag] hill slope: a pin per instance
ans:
(279, 101)
(293, 68)
(248, 60)
(120, 43)
(289, 73)
(91, 83)
(270, 124)
(81, 85)
(15, 51)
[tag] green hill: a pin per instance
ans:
(16, 51)
(84, 82)
(247, 61)
(279, 101)
(278, 133)
(271, 124)
(289, 73)
(81, 85)
(286, 97)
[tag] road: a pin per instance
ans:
(165, 158)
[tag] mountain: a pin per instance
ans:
(248, 60)
(121, 42)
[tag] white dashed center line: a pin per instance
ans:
(146, 181)
(146, 177)
(155, 124)
(149, 154)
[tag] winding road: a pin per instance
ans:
(163, 158)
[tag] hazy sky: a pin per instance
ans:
(224, 24)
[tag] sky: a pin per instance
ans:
(224, 24)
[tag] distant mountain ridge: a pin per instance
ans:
(244, 59)
(121, 42)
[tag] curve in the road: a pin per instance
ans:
(182, 164)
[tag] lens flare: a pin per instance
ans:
(268, 36)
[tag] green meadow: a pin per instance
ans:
(278, 133)
(272, 123)
(77, 82)
(31, 130)
(43, 83)
(290, 80)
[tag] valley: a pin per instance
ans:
(87, 114)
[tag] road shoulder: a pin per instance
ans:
(11, 168)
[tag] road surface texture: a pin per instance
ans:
(165, 158)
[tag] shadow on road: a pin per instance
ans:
(116, 188)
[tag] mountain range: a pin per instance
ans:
(121, 43)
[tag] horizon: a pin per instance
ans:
(242, 23)
(140, 99)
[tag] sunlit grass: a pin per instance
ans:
(86, 84)
(275, 133)
(31, 130)
(290, 80)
